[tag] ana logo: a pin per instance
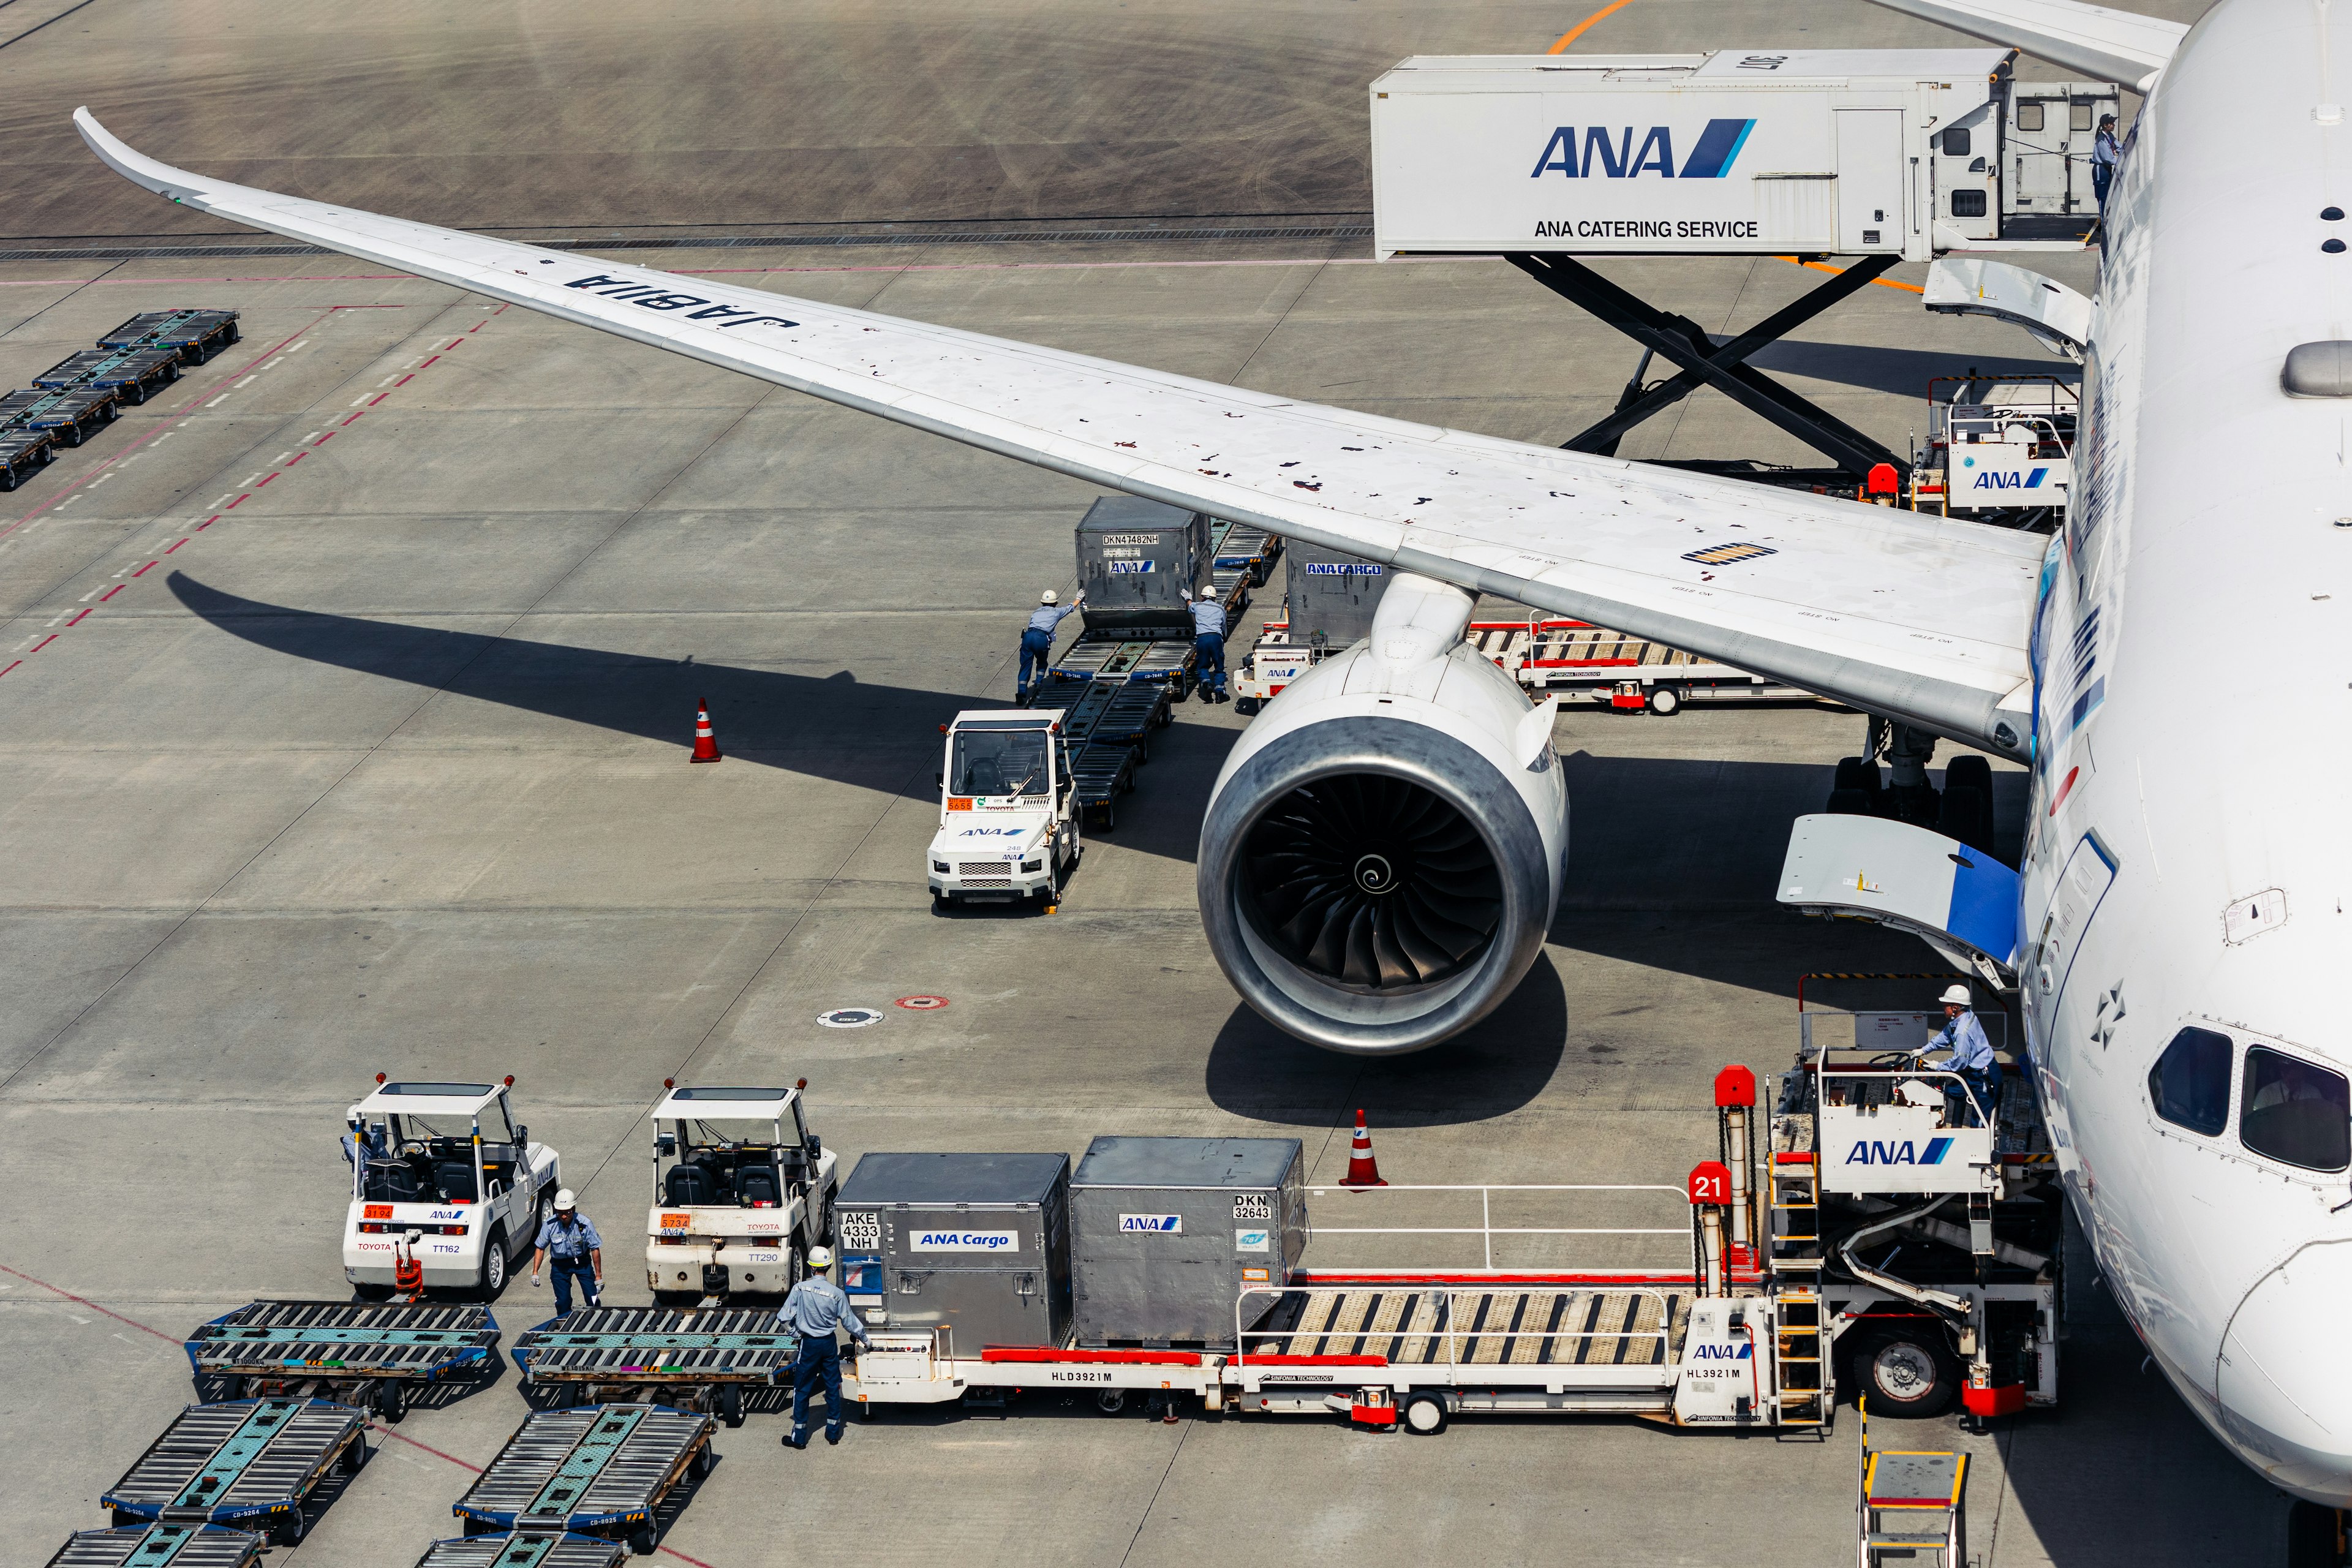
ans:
(1119, 568)
(1159, 1224)
(1725, 1352)
(1602, 158)
(991, 833)
(1932, 1153)
(1339, 569)
(2011, 480)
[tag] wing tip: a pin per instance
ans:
(131, 164)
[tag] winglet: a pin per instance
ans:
(136, 167)
(2113, 45)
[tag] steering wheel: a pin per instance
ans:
(414, 1148)
(1893, 1060)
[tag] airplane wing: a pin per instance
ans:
(2102, 44)
(1918, 619)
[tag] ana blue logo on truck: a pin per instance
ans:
(1711, 159)
(2010, 479)
(1159, 1224)
(1865, 1153)
(1723, 1352)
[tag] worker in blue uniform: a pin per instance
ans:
(812, 1311)
(1973, 1056)
(571, 1238)
(1208, 641)
(1037, 638)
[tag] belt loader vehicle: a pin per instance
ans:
(742, 1189)
(445, 1170)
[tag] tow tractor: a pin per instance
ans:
(742, 1189)
(1009, 824)
(445, 1168)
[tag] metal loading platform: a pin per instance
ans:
(1109, 724)
(1167, 658)
(601, 1470)
(707, 1360)
(566, 1550)
(194, 335)
(363, 1353)
(1237, 546)
(161, 1546)
(1422, 1326)
(247, 1462)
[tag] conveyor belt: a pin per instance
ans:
(247, 1460)
(601, 1468)
(346, 1341)
(566, 1550)
(1435, 1325)
(653, 1344)
(161, 1546)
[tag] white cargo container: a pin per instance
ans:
(1848, 151)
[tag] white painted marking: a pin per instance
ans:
(234, 385)
(222, 398)
(85, 599)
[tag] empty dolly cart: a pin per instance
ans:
(253, 1463)
(159, 1545)
(566, 1550)
(704, 1360)
(1107, 724)
(1238, 547)
(132, 375)
(601, 1470)
(67, 417)
(23, 454)
(194, 335)
(367, 1355)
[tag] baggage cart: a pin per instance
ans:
(23, 454)
(252, 1463)
(1245, 547)
(194, 335)
(703, 1359)
(370, 1355)
(601, 1470)
(69, 417)
(179, 1545)
(533, 1550)
(131, 374)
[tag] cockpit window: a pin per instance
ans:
(2295, 1111)
(2189, 1083)
(998, 761)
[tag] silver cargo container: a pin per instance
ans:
(1333, 595)
(1135, 556)
(1165, 1232)
(977, 1244)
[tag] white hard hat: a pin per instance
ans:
(1955, 996)
(565, 1200)
(1048, 597)
(820, 1257)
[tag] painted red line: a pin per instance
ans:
(330, 435)
(478, 326)
(378, 397)
(427, 1448)
(265, 479)
(111, 591)
(175, 545)
(205, 525)
(453, 343)
(233, 505)
(403, 380)
(77, 620)
(42, 644)
(144, 570)
(84, 1301)
(3, 672)
(682, 1557)
(298, 457)
(503, 308)
(353, 416)
(428, 363)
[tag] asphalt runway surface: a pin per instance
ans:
(349, 685)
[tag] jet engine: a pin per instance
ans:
(1384, 849)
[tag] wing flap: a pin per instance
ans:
(1918, 619)
(2097, 40)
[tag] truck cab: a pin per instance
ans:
(449, 1164)
(1008, 829)
(742, 1189)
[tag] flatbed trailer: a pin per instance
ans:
(1238, 546)
(566, 1550)
(67, 417)
(156, 1545)
(23, 454)
(252, 1463)
(601, 1470)
(132, 375)
(370, 1355)
(704, 1359)
(195, 335)
(1107, 723)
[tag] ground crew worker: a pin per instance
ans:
(2104, 151)
(362, 1138)
(1973, 1056)
(579, 1253)
(1209, 639)
(813, 1310)
(1037, 638)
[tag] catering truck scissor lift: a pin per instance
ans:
(445, 1171)
(741, 1190)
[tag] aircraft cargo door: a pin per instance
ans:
(2081, 886)
(1870, 178)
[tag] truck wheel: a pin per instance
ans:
(290, 1530)
(641, 1542)
(1246, 705)
(391, 1401)
(1424, 1414)
(1906, 1373)
(1110, 1401)
(730, 1408)
(494, 1263)
(1666, 701)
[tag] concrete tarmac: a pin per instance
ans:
(349, 685)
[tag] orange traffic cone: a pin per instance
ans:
(706, 744)
(1363, 1171)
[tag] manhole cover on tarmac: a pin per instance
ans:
(921, 1004)
(850, 1018)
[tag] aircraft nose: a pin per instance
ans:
(2285, 1379)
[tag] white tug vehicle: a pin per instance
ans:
(1008, 822)
(442, 1172)
(742, 1189)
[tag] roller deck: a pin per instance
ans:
(250, 1462)
(357, 1349)
(1238, 547)
(714, 1353)
(161, 1546)
(194, 335)
(1109, 724)
(597, 1470)
(566, 1550)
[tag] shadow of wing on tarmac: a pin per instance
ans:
(1905, 373)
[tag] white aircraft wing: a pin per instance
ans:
(2105, 44)
(1922, 619)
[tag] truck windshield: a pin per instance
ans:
(998, 761)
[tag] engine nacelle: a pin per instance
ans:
(1384, 851)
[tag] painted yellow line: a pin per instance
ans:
(1825, 267)
(1578, 31)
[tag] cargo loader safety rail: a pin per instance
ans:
(1400, 1193)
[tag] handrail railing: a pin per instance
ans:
(1486, 1228)
(1447, 1331)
